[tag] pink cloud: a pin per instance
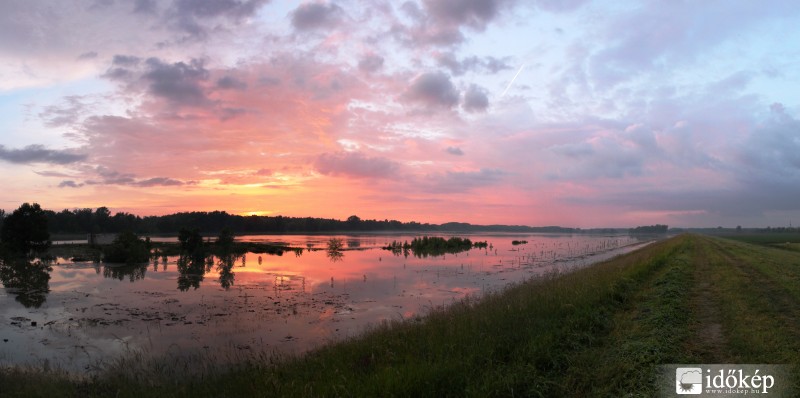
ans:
(321, 108)
(316, 15)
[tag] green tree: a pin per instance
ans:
(25, 230)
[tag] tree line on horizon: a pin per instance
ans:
(101, 220)
(650, 229)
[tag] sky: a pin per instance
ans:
(541, 112)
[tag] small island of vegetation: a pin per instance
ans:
(434, 246)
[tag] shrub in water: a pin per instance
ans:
(127, 248)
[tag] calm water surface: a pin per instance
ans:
(88, 313)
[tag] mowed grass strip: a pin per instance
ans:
(598, 331)
(757, 290)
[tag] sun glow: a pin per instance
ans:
(257, 213)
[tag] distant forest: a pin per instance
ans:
(100, 220)
(650, 229)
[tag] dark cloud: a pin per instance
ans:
(198, 17)
(316, 15)
(772, 152)
(370, 63)
(473, 13)
(88, 55)
(40, 154)
(101, 4)
(118, 74)
(235, 9)
(124, 180)
(749, 202)
(125, 60)
(475, 99)
(123, 68)
(471, 64)
(433, 88)
(439, 35)
(158, 181)
(356, 165)
(112, 177)
(50, 173)
(453, 150)
(179, 83)
(69, 184)
(424, 30)
(440, 22)
(231, 83)
(144, 7)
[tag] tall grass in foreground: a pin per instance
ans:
(598, 331)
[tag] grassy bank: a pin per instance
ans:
(599, 331)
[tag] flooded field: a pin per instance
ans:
(88, 313)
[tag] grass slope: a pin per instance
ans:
(599, 331)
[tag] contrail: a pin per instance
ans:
(512, 81)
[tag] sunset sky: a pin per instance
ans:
(572, 113)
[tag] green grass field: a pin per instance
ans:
(599, 331)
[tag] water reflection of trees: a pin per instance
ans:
(132, 272)
(335, 256)
(191, 270)
(28, 280)
(225, 270)
(353, 244)
(334, 252)
(194, 260)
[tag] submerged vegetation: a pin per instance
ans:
(127, 248)
(433, 246)
(334, 250)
